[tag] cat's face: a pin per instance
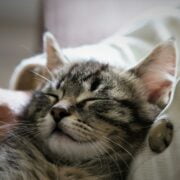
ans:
(91, 109)
(94, 109)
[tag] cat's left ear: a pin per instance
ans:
(157, 72)
(54, 55)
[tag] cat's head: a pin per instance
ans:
(88, 109)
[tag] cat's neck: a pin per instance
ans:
(113, 166)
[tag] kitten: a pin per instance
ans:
(88, 120)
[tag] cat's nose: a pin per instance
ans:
(59, 113)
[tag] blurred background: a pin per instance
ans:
(73, 22)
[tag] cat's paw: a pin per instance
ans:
(160, 135)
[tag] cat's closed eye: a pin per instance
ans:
(82, 103)
(53, 98)
(88, 101)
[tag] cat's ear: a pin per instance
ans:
(54, 55)
(25, 75)
(157, 72)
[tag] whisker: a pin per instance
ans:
(50, 73)
(41, 76)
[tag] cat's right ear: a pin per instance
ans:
(54, 55)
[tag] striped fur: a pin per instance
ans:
(109, 120)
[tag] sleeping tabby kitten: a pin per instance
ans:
(87, 121)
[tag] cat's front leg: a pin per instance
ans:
(160, 135)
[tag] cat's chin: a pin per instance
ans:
(70, 149)
(58, 133)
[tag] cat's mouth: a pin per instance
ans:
(60, 133)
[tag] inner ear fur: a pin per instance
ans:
(54, 55)
(157, 72)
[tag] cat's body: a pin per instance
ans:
(87, 123)
(125, 114)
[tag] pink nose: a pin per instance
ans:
(58, 113)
